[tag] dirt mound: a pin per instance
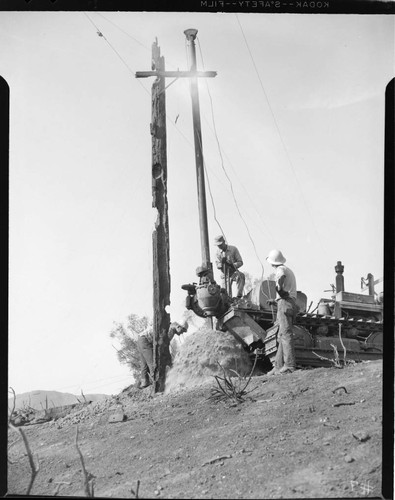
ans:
(202, 355)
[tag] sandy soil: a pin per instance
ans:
(316, 433)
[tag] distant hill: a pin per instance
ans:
(39, 399)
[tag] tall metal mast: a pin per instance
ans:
(197, 132)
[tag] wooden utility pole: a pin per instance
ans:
(160, 236)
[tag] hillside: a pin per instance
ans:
(39, 399)
(316, 433)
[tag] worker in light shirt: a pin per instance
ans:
(228, 261)
(285, 361)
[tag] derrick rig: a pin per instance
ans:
(350, 322)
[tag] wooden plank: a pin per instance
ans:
(355, 297)
(176, 74)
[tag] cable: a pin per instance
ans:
(123, 31)
(279, 133)
(100, 33)
(205, 165)
(204, 162)
(227, 176)
(209, 189)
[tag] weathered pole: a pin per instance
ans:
(160, 235)
(197, 133)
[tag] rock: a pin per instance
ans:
(362, 436)
(116, 417)
(348, 459)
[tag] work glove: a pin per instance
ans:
(258, 344)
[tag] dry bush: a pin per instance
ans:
(228, 389)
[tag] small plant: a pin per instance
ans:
(337, 362)
(34, 467)
(229, 389)
(135, 493)
(89, 479)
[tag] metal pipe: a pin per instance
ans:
(339, 277)
(201, 189)
(370, 279)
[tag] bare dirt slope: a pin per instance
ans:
(311, 434)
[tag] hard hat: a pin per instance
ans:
(219, 239)
(276, 258)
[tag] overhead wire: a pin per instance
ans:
(123, 31)
(226, 173)
(100, 33)
(212, 171)
(204, 163)
(264, 226)
(128, 67)
(279, 133)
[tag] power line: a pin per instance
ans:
(279, 133)
(100, 34)
(123, 31)
(264, 227)
(226, 173)
(221, 150)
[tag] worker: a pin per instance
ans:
(287, 309)
(145, 344)
(228, 261)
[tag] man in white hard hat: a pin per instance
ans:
(228, 260)
(287, 308)
(145, 344)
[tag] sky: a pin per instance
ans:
(293, 145)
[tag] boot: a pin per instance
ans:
(286, 369)
(274, 371)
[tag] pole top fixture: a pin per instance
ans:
(190, 34)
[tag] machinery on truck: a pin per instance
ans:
(352, 322)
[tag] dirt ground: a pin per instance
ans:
(316, 433)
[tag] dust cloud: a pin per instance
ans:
(198, 356)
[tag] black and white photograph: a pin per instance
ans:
(196, 239)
